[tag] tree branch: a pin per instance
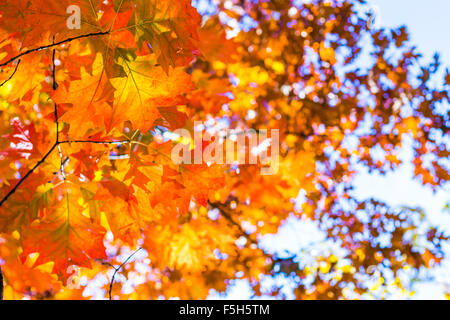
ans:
(224, 213)
(58, 143)
(22, 180)
(54, 44)
(94, 141)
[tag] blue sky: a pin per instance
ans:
(427, 20)
(428, 23)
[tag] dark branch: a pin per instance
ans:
(95, 142)
(10, 77)
(1, 284)
(118, 269)
(53, 45)
(224, 213)
(298, 134)
(22, 180)
(55, 84)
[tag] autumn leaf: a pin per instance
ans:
(65, 236)
(169, 28)
(88, 99)
(145, 88)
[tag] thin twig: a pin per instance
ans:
(105, 263)
(55, 85)
(10, 77)
(1, 284)
(63, 162)
(117, 270)
(58, 143)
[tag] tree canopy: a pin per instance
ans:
(87, 117)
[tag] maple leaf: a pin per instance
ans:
(26, 206)
(88, 98)
(129, 213)
(169, 28)
(145, 88)
(65, 236)
(214, 45)
(191, 246)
